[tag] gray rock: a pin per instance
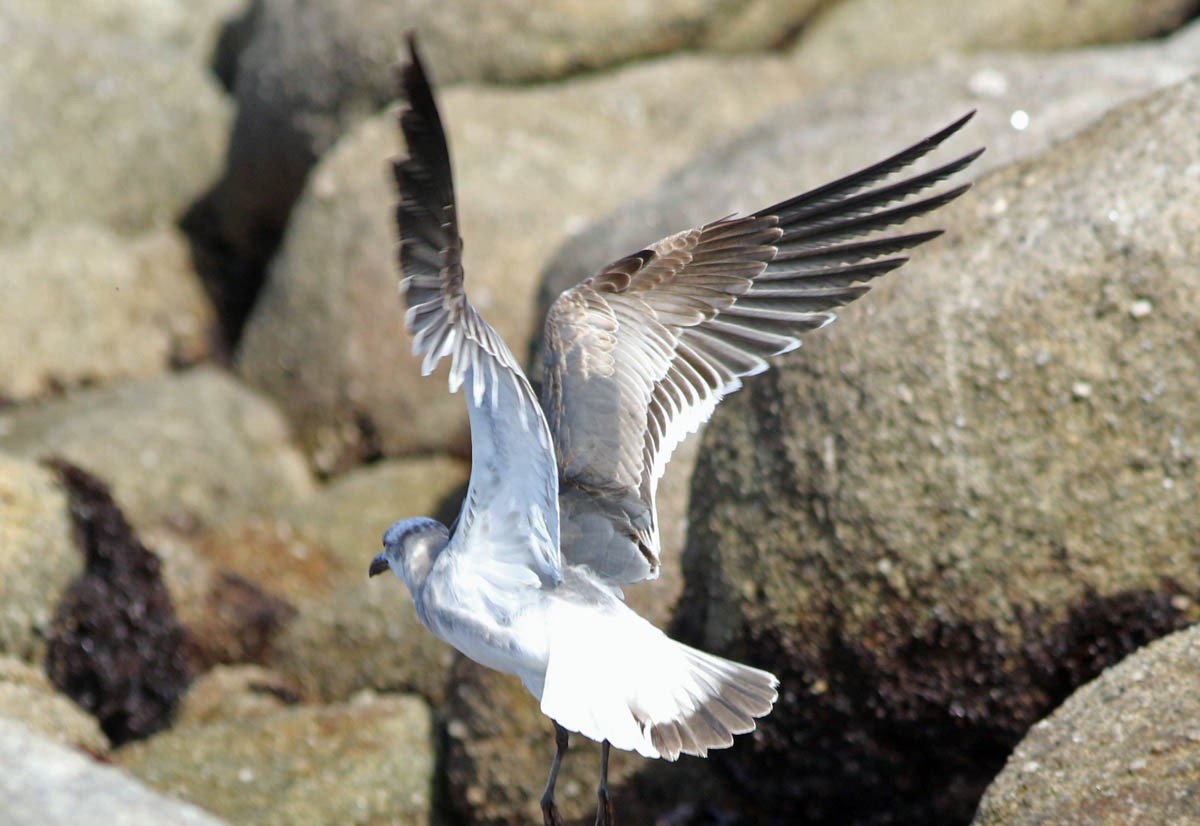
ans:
(45, 784)
(1024, 103)
(101, 128)
(27, 697)
(38, 558)
(367, 762)
(185, 447)
(235, 692)
(312, 69)
(349, 515)
(191, 28)
(364, 636)
(83, 306)
(1125, 748)
(327, 339)
(858, 36)
(971, 494)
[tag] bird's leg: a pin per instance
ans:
(550, 815)
(604, 809)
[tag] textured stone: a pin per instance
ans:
(1125, 748)
(27, 697)
(845, 39)
(45, 784)
(101, 128)
(185, 447)
(84, 307)
(327, 338)
(367, 763)
(976, 490)
(229, 693)
(362, 636)
(38, 559)
(191, 28)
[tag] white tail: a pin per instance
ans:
(614, 676)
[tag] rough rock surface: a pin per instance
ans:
(38, 559)
(45, 784)
(367, 763)
(235, 692)
(193, 446)
(84, 307)
(976, 490)
(190, 28)
(845, 38)
(327, 337)
(101, 128)
(27, 697)
(1024, 103)
(1125, 748)
(362, 636)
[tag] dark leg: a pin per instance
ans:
(604, 809)
(550, 816)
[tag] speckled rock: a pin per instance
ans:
(349, 514)
(845, 39)
(191, 28)
(101, 128)
(362, 636)
(27, 697)
(368, 763)
(229, 693)
(38, 558)
(326, 337)
(1125, 748)
(185, 447)
(84, 307)
(43, 783)
(975, 491)
(1024, 103)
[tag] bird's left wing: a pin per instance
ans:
(510, 516)
(638, 356)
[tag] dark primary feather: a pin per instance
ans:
(508, 433)
(639, 355)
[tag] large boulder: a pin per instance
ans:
(1023, 103)
(327, 336)
(101, 127)
(191, 28)
(43, 783)
(310, 70)
(845, 38)
(27, 697)
(368, 763)
(38, 558)
(84, 306)
(189, 447)
(973, 492)
(1125, 748)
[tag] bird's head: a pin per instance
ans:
(409, 548)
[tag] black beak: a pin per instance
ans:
(378, 565)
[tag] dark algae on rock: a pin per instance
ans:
(115, 647)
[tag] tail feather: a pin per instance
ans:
(725, 698)
(624, 681)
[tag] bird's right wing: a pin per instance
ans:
(638, 356)
(509, 521)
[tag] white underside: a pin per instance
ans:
(612, 675)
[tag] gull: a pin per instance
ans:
(559, 514)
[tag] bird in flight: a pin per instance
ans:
(559, 514)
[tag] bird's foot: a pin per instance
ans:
(604, 808)
(550, 815)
